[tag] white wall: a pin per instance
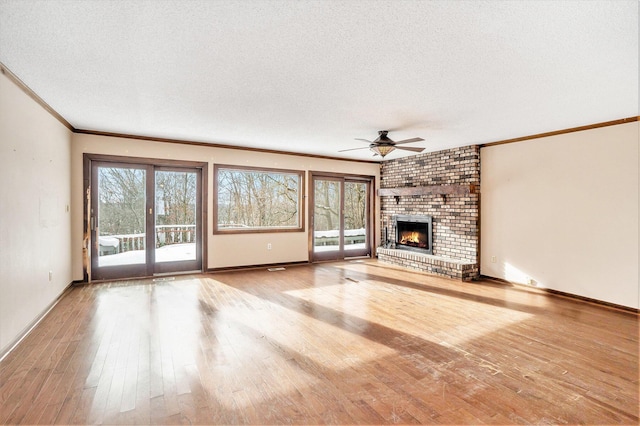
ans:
(34, 222)
(563, 211)
(223, 250)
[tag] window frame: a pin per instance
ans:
(255, 230)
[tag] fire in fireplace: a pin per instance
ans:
(414, 239)
(414, 233)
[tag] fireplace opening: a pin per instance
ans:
(414, 233)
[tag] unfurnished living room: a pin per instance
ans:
(319, 212)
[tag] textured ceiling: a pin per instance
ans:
(310, 76)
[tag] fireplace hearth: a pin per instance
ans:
(414, 233)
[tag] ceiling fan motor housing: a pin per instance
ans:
(383, 137)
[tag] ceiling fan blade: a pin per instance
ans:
(364, 140)
(353, 149)
(410, 140)
(407, 148)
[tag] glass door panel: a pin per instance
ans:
(176, 207)
(119, 221)
(327, 218)
(355, 216)
(121, 216)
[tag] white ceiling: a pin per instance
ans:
(310, 76)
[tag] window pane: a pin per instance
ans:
(258, 199)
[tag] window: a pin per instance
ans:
(249, 199)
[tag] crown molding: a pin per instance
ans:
(27, 90)
(563, 131)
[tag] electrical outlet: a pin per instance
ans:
(268, 246)
(50, 275)
(493, 259)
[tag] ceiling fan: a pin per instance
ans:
(383, 145)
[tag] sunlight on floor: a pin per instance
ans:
(517, 275)
(290, 331)
(424, 289)
(285, 344)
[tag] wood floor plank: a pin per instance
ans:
(67, 408)
(19, 404)
(332, 343)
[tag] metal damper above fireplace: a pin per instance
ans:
(414, 233)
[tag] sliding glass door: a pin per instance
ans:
(341, 217)
(144, 220)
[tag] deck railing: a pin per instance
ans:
(332, 237)
(175, 234)
(165, 235)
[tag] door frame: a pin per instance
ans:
(370, 214)
(149, 164)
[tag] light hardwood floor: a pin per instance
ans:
(340, 343)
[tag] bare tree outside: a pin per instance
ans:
(175, 207)
(331, 207)
(175, 198)
(355, 205)
(258, 199)
(123, 213)
(327, 205)
(122, 200)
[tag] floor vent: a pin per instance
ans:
(155, 280)
(276, 269)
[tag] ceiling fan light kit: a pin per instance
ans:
(382, 146)
(381, 150)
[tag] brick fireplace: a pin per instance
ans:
(444, 186)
